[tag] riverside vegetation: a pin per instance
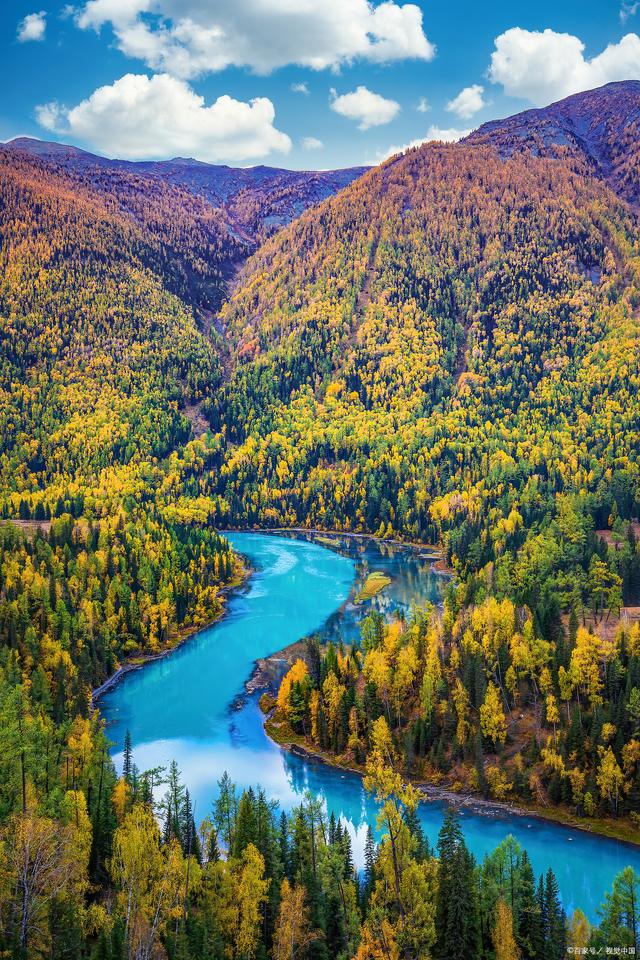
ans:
(446, 351)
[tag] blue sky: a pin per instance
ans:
(296, 83)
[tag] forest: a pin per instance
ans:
(251, 881)
(445, 352)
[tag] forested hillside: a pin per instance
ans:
(448, 349)
(251, 203)
(101, 357)
(600, 126)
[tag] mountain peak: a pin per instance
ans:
(601, 126)
(47, 148)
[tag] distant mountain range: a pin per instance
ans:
(257, 200)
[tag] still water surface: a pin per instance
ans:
(189, 706)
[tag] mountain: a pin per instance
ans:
(112, 274)
(448, 349)
(385, 359)
(256, 201)
(601, 127)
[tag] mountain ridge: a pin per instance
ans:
(600, 125)
(217, 183)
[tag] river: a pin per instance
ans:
(190, 705)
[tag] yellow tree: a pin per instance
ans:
(566, 683)
(403, 677)
(377, 671)
(552, 712)
(296, 674)
(250, 892)
(585, 666)
(293, 932)
(151, 881)
(460, 699)
(610, 778)
(493, 722)
(503, 939)
(333, 691)
(42, 861)
(579, 930)
(395, 799)
(378, 940)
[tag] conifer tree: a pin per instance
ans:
(456, 905)
(555, 921)
(529, 931)
(127, 758)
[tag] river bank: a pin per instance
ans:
(439, 564)
(266, 677)
(274, 666)
(186, 707)
(142, 660)
(622, 831)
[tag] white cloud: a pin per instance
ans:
(300, 88)
(423, 105)
(547, 66)
(468, 102)
(311, 143)
(364, 105)
(628, 9)
(49, 115)
(192, 37)
(433, 133)
(140, 117)
(32, 27)
(447, 134)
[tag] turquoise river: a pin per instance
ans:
(192, 705)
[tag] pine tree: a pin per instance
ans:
(422, 850)
(529, 932)
(190, 838)
(225, 809)
(127, 758)
(213, 850)
(555, 921)
(620, 925)
(283, 846)
(369, 863)
(174, 806)
(457, 930)
(246, 831)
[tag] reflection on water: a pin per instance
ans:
(185, 706)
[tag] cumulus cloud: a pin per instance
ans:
(423, 105)
(32, 27)
(140, 117)
(450, 135)
(468, 102)
(300, 88)
(446, 134)
(191, 37)
(311, 143)
(546, 66)
(364, 105)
